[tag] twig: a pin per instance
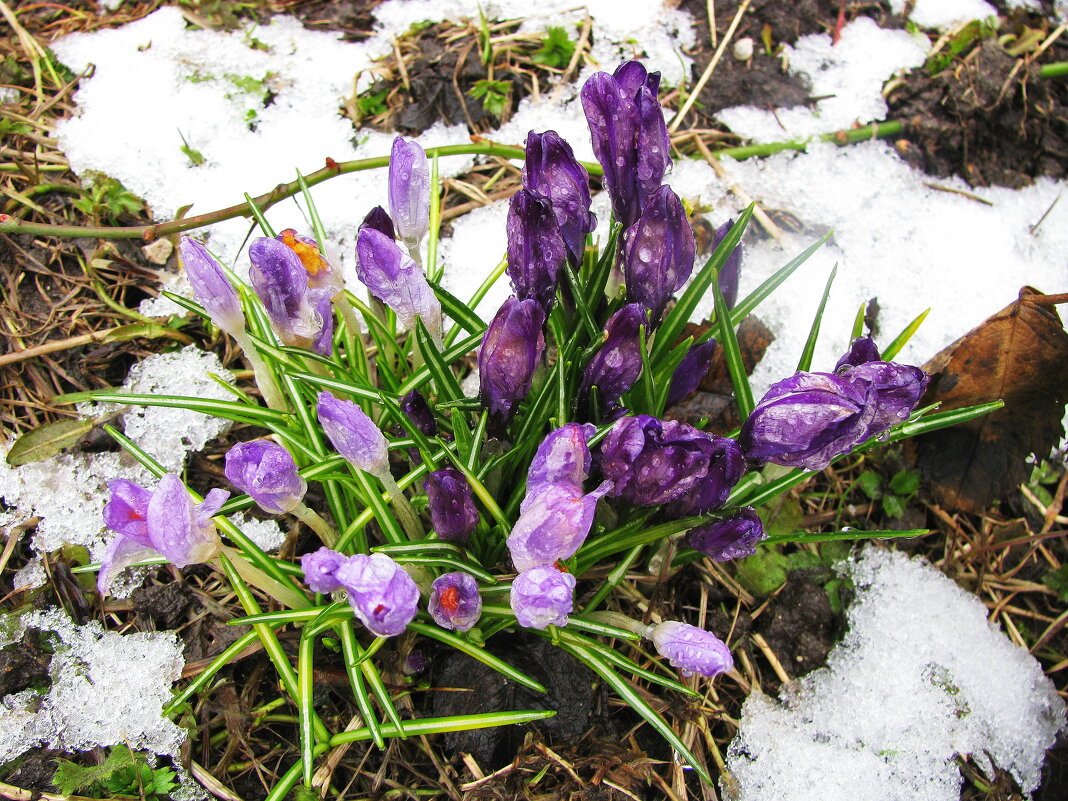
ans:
(73, 342)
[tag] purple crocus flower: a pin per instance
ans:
(211, 287)
(267, 472)
(861, 351)
(511, 351)
(452, 504)
(562, 458)
(617, 365)
(418, 411)
(655, 461)
(690, 649)
(629, 135)
(163, 521)
(454, 601)
(319, 270)
(691, 371)
(320, 568)
(898, 389)
(658, 252)
(396, 280)
(302, 317)
(551, 170)
(808, 419)
(731, 271)
(383, 596)
(733, 538)
(409, 192)
(542, 596)
(536, 249)
(378, 218)
(553, 523)
(353, 434)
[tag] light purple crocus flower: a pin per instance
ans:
(320, 568)
(690, 649)
(321, 274)
(163, 521)
(383, 596)
(454, 601)
(267, 472)
(542, 596)
(511, 351)
(452, 504)
(353, 434)
(563, 457)
(553, 524)
(211, 287)
(617, 365)
(396, 280)
(301, 316)
(732, 538)
(409, 192)
(658, 252)
(536, 248)
(551, 169)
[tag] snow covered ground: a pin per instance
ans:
(895, 237)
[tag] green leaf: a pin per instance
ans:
(845, 534)
(458, 310)
(805, 362)
(893, 506)
(754, 298)
(71, 777)
(870, 483)
(1057, 580)
(493, 94)
(905, 482)
(556, 50)
(902, 339)
(858, 322)
(732, 353)
(46, 441)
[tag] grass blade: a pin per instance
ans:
(858, 322)
(732, 353)
(757, 296)
(459, 311)
(805, 362)
(902, 339)
(476, 652)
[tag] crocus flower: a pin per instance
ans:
(267, 472)
(320, 568)
(511, 351)
(163, 521)
(536, 248)
(655, 461)
(301, 316)
(690, 649)
(379, 219)
(658, 252)
(454, 601)
(418, 411)
(731, 271)
(211, 288)
(898, 389)
(320, 272)
(629, 135)
(550, 169)
(861, 351)
(553, 523)
(353, 434)
(733, 538)
(396, 280)
(616, 366)
(452, 504)
(691, 371)
(383, 596)
(542, 596)
(808, 419)
(562, 458)
(409, 192)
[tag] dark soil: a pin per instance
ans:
(800, 625)
(23, 665)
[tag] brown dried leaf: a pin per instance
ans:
(1018, 355)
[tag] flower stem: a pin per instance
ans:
(257, 578)
(264, 379)
(402, 506)
(315, 522)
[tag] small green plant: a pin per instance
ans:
(556, 50)
(970, 34)
(493, 94)
(895, 495)
(123, 773)
(191, 153)
(372, 102)
(105, 199)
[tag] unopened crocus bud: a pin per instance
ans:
(617, 365)
(452, 504)
(733, 538)
(691, 371)
(267, 472)
(536, 250)
(454, 601)
(553, 523)
(861, 351)
(511, 351)
(690, 649)
(379, 219)
(563, 457)
(396, 280)
(319, 568)
(300, 315)
(164, 521)
(543, 596)
(211, 287)
(629, 135)
(658, 252)
(353, 434)
(418, 411)
(551, 169)
(898, 389)
(808, 419)
(731, 271)
(382, 595)
(409, 192)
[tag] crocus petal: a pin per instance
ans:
(691, 371)
(382, 595)
(612, 117)
(281, 282)
(553, 524)
(658, 252)
(211, 287)
(542, 596)
(127, 511)
(731, 271)
(452, 504)
(617, 365)
(454, 601)
(419, 412)
(267, 472)
(322, 300)
(562, 458)
(396, 280)
(733, 538)
(536, 248)
(120, 553)
(551, 169)
(409, 191)
(379, 219)
(319, 568)
(353, 434)
(173, 528)
(898, 389)
(691, 650)
(511, 351)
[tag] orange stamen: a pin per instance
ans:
(450, 599)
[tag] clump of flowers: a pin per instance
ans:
(434, 502)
